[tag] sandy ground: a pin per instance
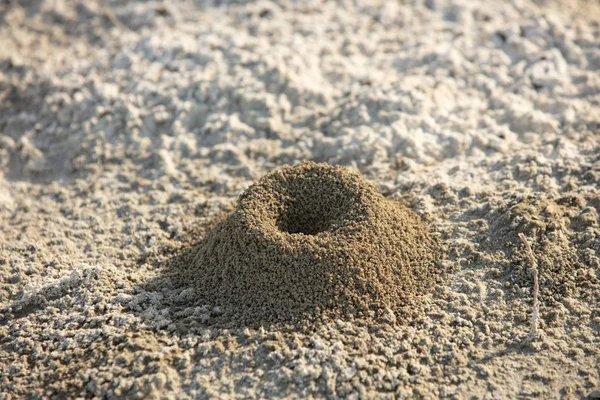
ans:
(125, 126)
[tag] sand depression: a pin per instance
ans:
(312, 240)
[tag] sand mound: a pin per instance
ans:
(312, 240)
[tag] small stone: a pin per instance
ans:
(413, 368)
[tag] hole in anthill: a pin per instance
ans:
(299, 220)
(310, 214)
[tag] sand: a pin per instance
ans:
(126, 128)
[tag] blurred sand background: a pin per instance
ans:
(125, 126)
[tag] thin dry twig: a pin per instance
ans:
(113, 18)
(536, 288)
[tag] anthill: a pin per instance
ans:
(311, 241)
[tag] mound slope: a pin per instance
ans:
(312, 240)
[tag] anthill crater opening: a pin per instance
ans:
(312, 208)
(306, 218)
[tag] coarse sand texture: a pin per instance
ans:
(309, 241)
